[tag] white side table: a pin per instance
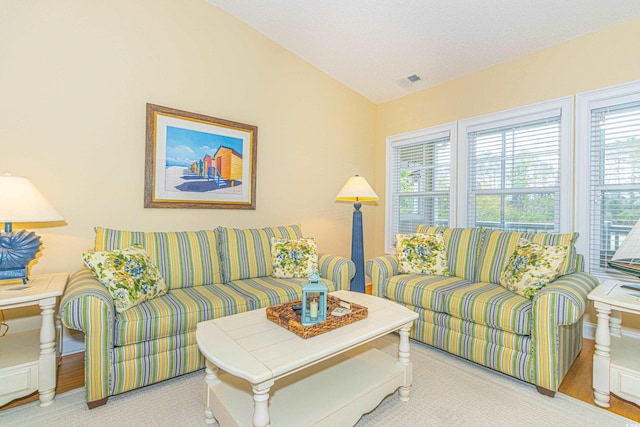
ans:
(29, 360)
(616, 361)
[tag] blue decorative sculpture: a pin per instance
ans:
(17, 250)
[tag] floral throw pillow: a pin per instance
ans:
(422, 254)
(531, 267)
(129, 275)
(293, 258)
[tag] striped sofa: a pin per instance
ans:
(209, 273)
(471, 315)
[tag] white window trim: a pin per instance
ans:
(585, 102)
(513, 115)
(409, 138)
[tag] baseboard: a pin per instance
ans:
(72, 341)
(589, 331)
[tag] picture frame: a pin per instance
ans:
(195, 161)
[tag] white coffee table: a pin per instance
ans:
(330, 379)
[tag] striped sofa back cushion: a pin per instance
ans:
(499, 245)
(185, 258)
(463, 245)
(246, 253)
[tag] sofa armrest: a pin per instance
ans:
(565, 299)
(338, 269)
(87, 306)
(380, 269)
(556, 343)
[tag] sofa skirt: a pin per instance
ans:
(149, 362)
(502, 351)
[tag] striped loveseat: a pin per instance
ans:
(471, 315)
(209, 274)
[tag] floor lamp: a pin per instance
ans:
(357, 190)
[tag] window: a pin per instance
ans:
(419, 180)
(608, 149)
(518, 169)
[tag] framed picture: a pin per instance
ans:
(196, 161)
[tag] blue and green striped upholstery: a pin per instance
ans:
(475, 318)
(503, 351)
(267, 291)
(338, 269)
(179, 311)
(463, 245)
(246, 253)
(422, 290)
(380, 269)
(148, 362)
(562, 302)
(498, 246)
(156, 339)
(185, 259)
(87, 306)
(490, 304)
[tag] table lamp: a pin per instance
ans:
(627, 257)
(357, 189)
(20, 201)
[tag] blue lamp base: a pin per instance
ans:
(357, 250)
(14, 273)
(17, 250)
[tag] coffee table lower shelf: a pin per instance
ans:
(334, 392)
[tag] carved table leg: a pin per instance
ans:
(602, 356)
(210, 379)
(261, 416)
(404, 358)
(47, 365)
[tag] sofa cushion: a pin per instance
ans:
(422, 253)
(490, 304)
(246, 253)
(463, 245)
(531, 267)
(185, 259)
(177, 312)
(422, 291)
(293, 257)
(268, 291)
(498, 246)
(128, 274)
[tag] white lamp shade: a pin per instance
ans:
(20, 201)
(357, 189)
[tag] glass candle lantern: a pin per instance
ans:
(314, 301)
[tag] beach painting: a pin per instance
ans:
(197, 161)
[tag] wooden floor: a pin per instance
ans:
(577, 382)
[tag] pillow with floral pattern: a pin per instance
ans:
(129, 275)
(293, 257)
(531, 267)
(422, 253)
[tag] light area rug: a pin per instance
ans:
(447, 391)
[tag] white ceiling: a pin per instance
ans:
(369, 45)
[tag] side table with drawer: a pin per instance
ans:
(29, 360)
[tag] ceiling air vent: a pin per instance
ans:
(409, 80)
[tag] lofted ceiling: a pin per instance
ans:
(372, 46)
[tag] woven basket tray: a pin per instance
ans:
(285, 316)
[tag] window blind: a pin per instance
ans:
(513, 174)
(420, 183)
(614, 165)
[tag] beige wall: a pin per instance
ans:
(75, 76)
(595, 61)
